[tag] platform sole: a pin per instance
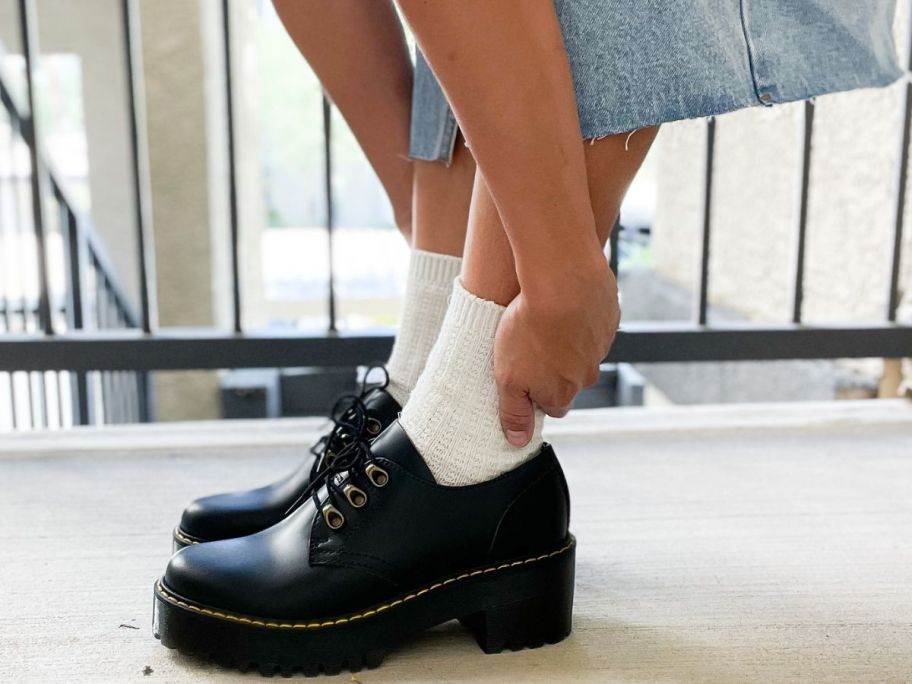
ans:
(525, 603)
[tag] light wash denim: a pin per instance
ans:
(641, 62)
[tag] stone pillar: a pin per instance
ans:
(186, 229)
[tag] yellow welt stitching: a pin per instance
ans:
(181, 537)
(316, 625)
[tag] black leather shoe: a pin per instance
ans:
(237, 514)
(375, 553)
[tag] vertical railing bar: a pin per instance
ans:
(39, 413)
(136, 108)
(58, 381)
(703, 287)
(146, 400)
(10, 233)
(113, 323)
(330, 216)
(30, 402)
(101, 317)
(79, 382)
(17, 211)
(134, 389)
(117, 382)
(120, 376)
(126, 381)
(76, 268)
(129, 380)
(902, 175)
(75, 255)
(232, 172)
(803, 196)
(29, 36)
(6, 233)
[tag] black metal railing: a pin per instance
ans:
(89, 296)
(108, 349)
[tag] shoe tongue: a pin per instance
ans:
(394, 445)
(381, 405)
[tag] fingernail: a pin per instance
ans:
(517, 438)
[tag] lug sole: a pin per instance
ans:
(520, 604)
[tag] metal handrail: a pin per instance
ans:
(136, 345)
(84, 227)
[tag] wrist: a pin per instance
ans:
(566, 274)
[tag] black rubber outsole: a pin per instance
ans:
(520, 604)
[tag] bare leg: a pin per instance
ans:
(611, 163)
(457, 416)
(489, 272)
(505, 69)
(359, 53)
(441, 202)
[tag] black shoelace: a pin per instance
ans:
(344, 448)
(350, 420)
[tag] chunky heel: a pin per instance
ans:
(543, 618)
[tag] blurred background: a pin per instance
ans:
(766, 222)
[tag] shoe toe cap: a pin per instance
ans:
(225, 516)
(205, 573)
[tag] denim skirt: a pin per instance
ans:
(637, 63)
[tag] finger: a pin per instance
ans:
(556, 411)
(517, 418)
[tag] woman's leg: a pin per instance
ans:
(442, 194)
(359, 53)
(441, 211)
(611, 164)
(453, 415)
(505, 69)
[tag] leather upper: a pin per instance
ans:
(411, 532)
(237, 514)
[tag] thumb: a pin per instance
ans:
(516, 415)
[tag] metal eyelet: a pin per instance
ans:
(333, 517)
(356, 497)
(329, 457)
(374, 426)
(377, 475)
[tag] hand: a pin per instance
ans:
(549, 345)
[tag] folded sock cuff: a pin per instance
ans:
(481, 316)
(432, 269)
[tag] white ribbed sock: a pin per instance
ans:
(427, 289)
(452, 415)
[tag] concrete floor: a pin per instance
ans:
(716, 544)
